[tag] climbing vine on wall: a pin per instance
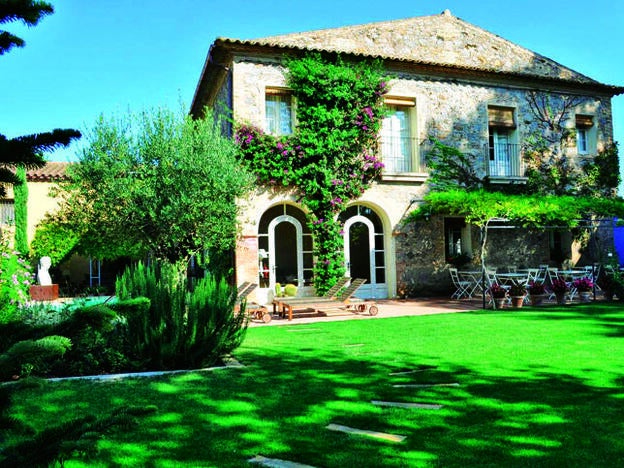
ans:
(20, 193)
(550, 170)
(330, 158)
(601, 175)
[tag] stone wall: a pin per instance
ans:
(453, 111)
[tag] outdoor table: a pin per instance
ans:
(513, 278)
(572, 274)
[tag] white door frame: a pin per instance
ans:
(373, 289)
(272, 251)
(371, 243)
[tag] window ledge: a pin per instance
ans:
(508, 180)
(404, 177)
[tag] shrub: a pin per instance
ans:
(29, 356)
(182, 328)
(17, 330)
(15, 280)
(98, 342)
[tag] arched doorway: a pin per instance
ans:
(364, 250)
(285, 247)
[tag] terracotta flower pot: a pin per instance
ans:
(585, 296)
(537, 299)
(499, 302)
(517, 301)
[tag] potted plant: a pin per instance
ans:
(537, 292)
(517, 291)
(560, 288)
(499, 295)
(608, 284)
(584, 286)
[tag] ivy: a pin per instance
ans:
(20, 192)
(330, 158)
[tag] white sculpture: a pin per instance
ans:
(43, 275)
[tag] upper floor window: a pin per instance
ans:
(278, 111)
(503, 151)
(584, 133)
(398, 147)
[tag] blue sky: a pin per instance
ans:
(110, 56)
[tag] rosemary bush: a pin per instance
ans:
(182, 328)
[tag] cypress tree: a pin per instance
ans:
(20, 193)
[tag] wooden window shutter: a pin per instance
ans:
(399, 101)
(501, 117)
(278, 91)
(584, 121)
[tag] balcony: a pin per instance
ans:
(401, 155)
(503, 160)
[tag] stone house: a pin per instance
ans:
(452, 81)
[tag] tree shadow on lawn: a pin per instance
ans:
(609, 315)
(279, 405)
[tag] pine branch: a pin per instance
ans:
(26, 150)
(30, 12)
(8, 41)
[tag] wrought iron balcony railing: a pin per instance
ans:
(503, 160)
(401, 155)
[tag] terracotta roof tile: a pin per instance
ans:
(51, 172)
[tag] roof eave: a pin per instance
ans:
(217, 64)
(224, 48)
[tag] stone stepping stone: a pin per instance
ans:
(428, 385)
(276, 462)
(413, 371)
(399, 404)
(373, 434)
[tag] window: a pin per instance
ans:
(584, 128)
(504, 159)
(456, 239)
(7, 213)
(278, 111)
(398, 150)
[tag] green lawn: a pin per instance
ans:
(537, 387)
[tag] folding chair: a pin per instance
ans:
(461, 287)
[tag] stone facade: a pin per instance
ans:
(453, 73)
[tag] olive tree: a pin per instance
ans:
(155, 182)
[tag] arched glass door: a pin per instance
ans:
(285, 247)
(364, 250)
